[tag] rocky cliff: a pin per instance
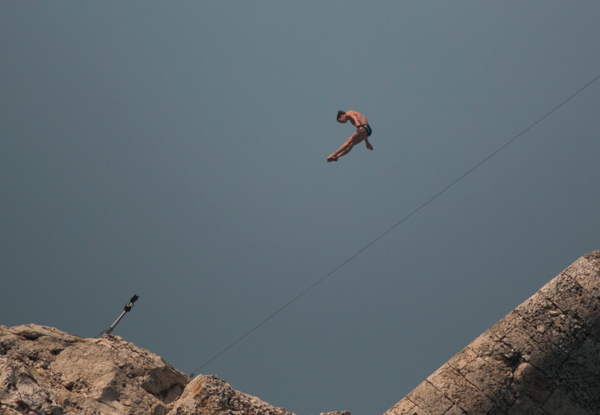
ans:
(543, 358)
(46, 371)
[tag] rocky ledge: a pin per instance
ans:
(543, 358)
(46, 371)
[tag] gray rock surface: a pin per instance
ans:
(46, 371)
(211, 395)
(543, 358)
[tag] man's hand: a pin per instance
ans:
(369, 146)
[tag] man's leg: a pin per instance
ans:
(356, 138)
(344, 149)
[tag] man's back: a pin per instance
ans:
(356, 118)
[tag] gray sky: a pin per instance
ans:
(177, 151)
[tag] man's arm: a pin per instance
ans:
(354, 116)
(369, 146)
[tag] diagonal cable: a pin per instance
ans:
(404, 219)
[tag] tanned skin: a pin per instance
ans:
(356, 119)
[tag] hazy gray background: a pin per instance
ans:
(177, 151)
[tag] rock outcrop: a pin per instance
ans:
(207, 395)
(543, 358)
(46, 371)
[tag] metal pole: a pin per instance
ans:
(126, 309)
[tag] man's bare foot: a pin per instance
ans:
(331, 159)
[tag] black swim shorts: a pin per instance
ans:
(367, 128)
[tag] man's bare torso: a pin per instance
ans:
(356, 118)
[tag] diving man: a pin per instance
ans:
(363, 131)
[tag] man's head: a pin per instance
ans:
(340, 116)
